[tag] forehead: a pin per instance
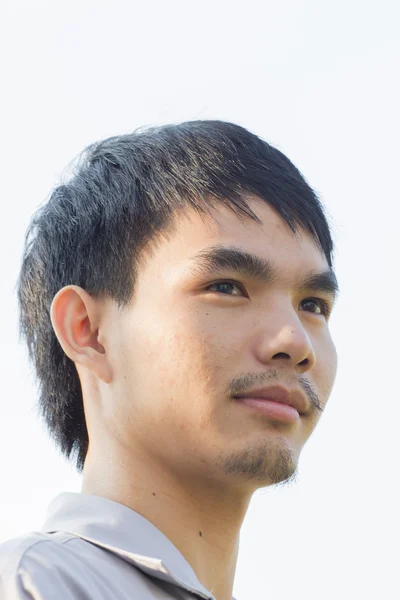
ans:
(272, 239)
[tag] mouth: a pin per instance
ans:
(275, 402)
(271, 409)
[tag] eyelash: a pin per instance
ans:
(324, 306)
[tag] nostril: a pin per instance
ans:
(303, 363)
(281, 355)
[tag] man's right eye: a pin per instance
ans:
(227, 284)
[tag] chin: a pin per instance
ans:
(269, 462)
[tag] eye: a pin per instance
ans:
(316, 306)
(226, 285)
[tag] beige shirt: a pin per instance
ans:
(91, 548)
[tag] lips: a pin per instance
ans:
(294, 398)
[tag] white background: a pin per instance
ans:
(320, 80)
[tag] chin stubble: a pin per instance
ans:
(269, 463)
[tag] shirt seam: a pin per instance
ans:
(25, 552)
(176, 581)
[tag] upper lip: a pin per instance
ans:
(294, 398)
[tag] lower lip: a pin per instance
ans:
(274, 410)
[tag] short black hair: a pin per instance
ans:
(124, 192)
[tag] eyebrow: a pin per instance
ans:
(220, 258)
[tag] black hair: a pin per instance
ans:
(123, 193)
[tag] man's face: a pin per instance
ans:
(191, 339)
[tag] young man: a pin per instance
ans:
(175, 296)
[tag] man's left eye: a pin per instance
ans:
(316, 306)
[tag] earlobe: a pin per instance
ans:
(75, 318)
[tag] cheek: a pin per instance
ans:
(193, 362)
(176, 364)
(191, 359)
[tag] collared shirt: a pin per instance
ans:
(92, 548)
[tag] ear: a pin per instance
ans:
(75, 318)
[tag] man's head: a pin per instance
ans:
(179, 267)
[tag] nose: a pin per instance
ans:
(285, 342)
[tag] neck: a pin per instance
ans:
(202, 520)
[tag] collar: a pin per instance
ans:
(124, 532)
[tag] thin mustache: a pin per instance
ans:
(314, 399)
(240, 388)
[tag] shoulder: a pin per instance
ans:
(33, 567)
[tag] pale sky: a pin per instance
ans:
(321, 82)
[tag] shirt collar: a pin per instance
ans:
(124, 532)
